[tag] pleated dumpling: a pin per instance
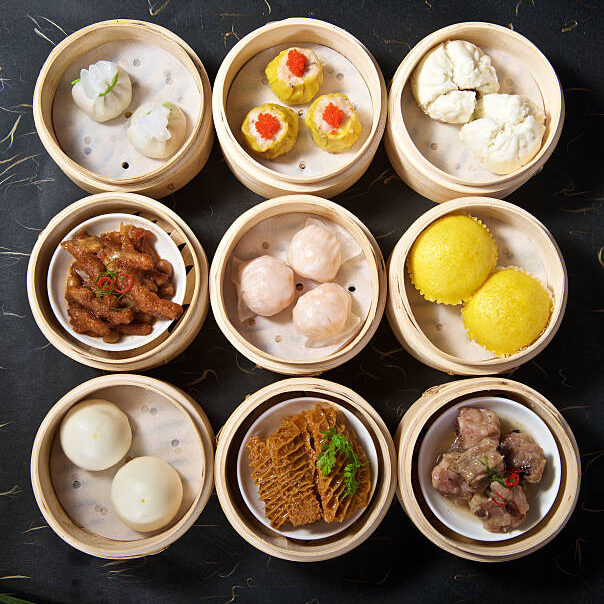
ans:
(265, 285)
(270, 130)
(324, 315)
(157, 130)
(333, 122)
(295, 75)
(315, 253)
(102, 91)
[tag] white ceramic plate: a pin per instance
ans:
(540, 497)
(264, 426)
(61, 261)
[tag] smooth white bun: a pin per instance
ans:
(507, 134)
(157, 130)
(146, 493)
(324, 314)
(315, 253)
(99, 95)
(95, 434)
(266, 285)
(447, 79)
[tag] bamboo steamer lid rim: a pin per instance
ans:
(431, 403)
(257, 214)
(400, 135)
(179, 48)
(104, 547)
(397, 264)
(199, 303)
(240, 156)
(379, 433)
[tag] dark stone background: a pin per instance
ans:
(211, 563)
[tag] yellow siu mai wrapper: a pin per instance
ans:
(333, 122)
(270, 129)
(295, 75)
(508, 313)
(451, 259)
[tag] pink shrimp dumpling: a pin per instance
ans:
(315, 253)
(267, 285)
(323, 313)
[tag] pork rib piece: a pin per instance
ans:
(500, 508)
(472, 464)
(449, 482)
(472, 425)
(523, 453)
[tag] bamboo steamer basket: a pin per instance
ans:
(321, 208)
(178, 170)
(168, 344)
(436, 184)
(408, 329)
(257, 534)
(410, 433)
(46, 497)
(270, 183)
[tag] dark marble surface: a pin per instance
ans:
(211, 563)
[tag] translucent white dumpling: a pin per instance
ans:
(157, 130)
(146, 493)
(324, 315)
(95, 434)
(315, 253)
(266, 285)
(102, 91)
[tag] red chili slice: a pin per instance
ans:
(513, 479)
(502, 499)
(128, 287)
(105, 283)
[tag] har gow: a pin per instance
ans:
(315, 253)
(265, 285)
(103, 91)
(324, 315)
(157, 130)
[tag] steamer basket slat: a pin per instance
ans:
(410, 433)
(168, 344)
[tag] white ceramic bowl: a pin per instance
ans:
(61, 261)
(541, 497)
(264, 426)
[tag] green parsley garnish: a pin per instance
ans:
(334, 442)
(111, 86)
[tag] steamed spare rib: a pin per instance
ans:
(522, 452)
(486, 471)
(118, 285)
(291, 485)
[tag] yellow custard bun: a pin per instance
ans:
(451, 259)
(508, 313)
(295, 75)
(270, 130)
(333, 122)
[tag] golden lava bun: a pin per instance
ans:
(333, 122)
(508, 313)
(146, 493)
(95, 434)
(451, 259)
(295, 75)
(270, 130)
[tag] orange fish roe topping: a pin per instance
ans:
(296, 62)
(333, 116)
(267, 125)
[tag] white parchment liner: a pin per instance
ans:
(442, 324)
(250, 89)
(277, 335)
(439, 143)
(159, 428)
(156, 75)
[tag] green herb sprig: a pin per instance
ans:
(101, 291)
(334, 442)
(109, 88)
(492, 474)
